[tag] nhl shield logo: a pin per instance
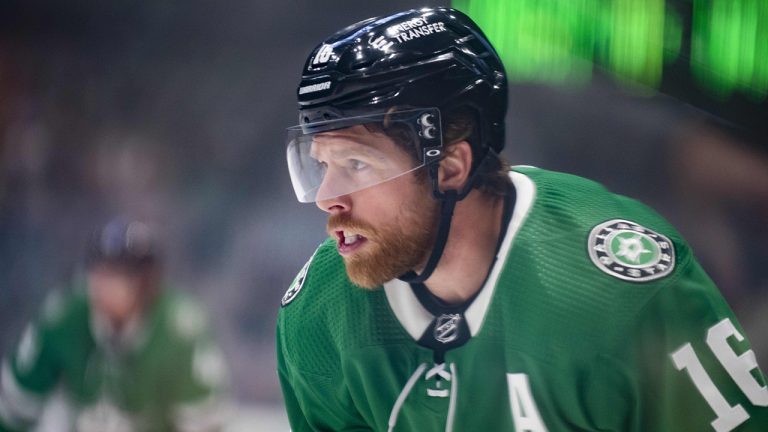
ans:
(631, 252)
(447, 328)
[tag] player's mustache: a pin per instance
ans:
(346, 222)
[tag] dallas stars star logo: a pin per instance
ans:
(298, 283)
(629, 251)
(631, 248)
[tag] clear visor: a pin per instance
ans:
(339, 157)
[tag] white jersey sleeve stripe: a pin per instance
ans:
(17, 405)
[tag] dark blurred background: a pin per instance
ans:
(175, 111)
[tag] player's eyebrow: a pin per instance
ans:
(344, 148)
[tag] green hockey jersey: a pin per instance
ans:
(594, 317)
(163, 374)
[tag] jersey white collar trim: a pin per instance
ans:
(131, 337)
(416, 319)
(407, 308)
(526, 194)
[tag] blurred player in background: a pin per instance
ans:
(456, 294)
(126, 353)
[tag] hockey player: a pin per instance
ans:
(126, 354)
(455, 294)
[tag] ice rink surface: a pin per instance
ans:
(246, 418)
(259, 418)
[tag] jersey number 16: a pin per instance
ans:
(739, 367)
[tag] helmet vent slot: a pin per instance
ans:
(361, 65)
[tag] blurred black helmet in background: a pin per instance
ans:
(129, 244)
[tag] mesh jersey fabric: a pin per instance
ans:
(593, 351)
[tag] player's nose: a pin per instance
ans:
(339, 204)
(330, 196)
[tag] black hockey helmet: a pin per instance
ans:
(124, 243)
(416, 69)
(431, 58)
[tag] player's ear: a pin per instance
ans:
(455, 166)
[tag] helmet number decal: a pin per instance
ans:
(323, 55)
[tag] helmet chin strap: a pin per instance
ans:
(448, 200)
(448, 203)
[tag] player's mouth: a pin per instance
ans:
(348, 242)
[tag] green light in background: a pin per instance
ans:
(636, 47)
(558, 41)
(729, 50)
(545, 40)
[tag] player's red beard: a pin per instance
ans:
(392, 249)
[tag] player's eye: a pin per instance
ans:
(322, 165)
(356, 165)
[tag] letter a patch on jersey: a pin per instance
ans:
(524, 411)
(631, 252)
